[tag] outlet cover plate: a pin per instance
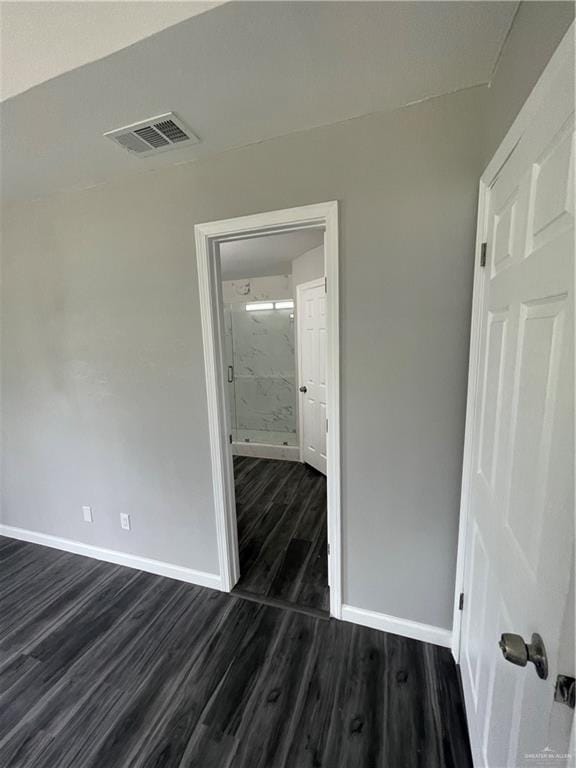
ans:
(125, 521)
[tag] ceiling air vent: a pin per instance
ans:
(157, 134)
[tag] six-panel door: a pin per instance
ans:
(521, 522)
(311, 316)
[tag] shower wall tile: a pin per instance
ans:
(257, 289)
(263, 342)
(261, 346)
(265, 403)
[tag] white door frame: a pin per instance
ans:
(299, 288)
(562, 55)
(208, 238)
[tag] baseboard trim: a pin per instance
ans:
(427, 633)
(267, 451)
(159, 567)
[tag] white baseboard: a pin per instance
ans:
(404, 627)
(267, 451)
(160, 568)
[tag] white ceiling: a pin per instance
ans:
(242, 73)
(41, 40)
(270, 255)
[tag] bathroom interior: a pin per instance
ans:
(259, 280)
(260, 364)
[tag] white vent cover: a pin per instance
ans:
(157, 134)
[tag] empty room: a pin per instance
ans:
(287, 392)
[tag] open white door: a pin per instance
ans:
(518, 486)
(311, 319)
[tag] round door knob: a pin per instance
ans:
(516, 651)
(303, 389)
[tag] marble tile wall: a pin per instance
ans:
(260, 346)
(257, 289)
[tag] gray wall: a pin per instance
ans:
(309, 266)
(103, 383)
(104, 395)
(534, 36)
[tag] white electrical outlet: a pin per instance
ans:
(87, 514)
(125, 521)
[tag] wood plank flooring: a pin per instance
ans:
(106, 667)
(282, 532)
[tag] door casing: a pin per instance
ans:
(208, 237)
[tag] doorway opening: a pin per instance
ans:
(269, 301)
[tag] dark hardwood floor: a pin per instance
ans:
(106, 667)
(282, 533)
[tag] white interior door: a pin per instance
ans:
(311, 319)
(520, 534)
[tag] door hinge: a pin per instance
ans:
(230, 439)
(483, 249)
(325, 285)
(565, 691)
(326, 425)
(328, 547)
(461, 602)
